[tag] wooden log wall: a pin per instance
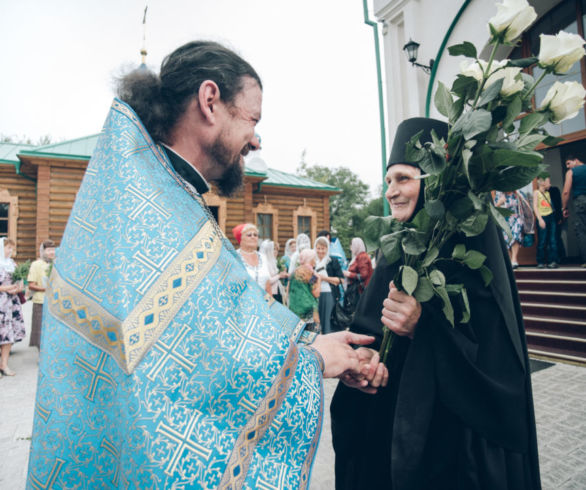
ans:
(24, 189)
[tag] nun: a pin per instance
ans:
(457, 410)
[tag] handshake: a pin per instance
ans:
(358, 368)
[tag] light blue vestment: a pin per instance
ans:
(162, 364)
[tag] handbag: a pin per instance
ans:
(528, 240)
(343, 314)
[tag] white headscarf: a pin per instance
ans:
(357, 246)
(321, 263)
(303, 242)
(288, 243)
(267, 250)
(6, 263)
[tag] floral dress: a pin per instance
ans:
(11, 319)
(515, 221)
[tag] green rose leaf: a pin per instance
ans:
(414, 152)
(448, 309)
(391, 246)
(424, 290)
(532, 121)
(512, 178)
(443, 99)
(473, 259)
(523, 62)
(507, 158)
(491, 93)
(430, 256)
(465, 49)
(422, 222)
(528, 142)
(462, 208)
(437, 278)
(375, 227)
(473, 123)
(476, 201)
(552, 140)
(434, 161)
(459, 251)
(464, 87)
(474, 225)
(435, 208)
(486, 274)
(413, 243)
(466, 304)
(513, 111)
(409, 279)
(501, 221)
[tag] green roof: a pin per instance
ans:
(279, 178)
(8, 151)
(82, 148)
(77, 149)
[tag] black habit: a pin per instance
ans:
(458, 409)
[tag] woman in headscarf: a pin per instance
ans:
(457, 412)
(304, 289)
(331, 277)
(11, 320)
(302, 242)
(290, 248)
(360, 267)
(267, 251)
(246, 235)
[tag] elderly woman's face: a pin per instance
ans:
(321, 250)
(403, 190)
(249, 239)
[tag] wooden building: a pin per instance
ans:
(38, 186)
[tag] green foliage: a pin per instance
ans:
(349, 208)
(21, 271)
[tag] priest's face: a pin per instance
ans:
(237, 136)
(403, 190)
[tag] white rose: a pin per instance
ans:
(561, 51)
(512, 82)
(475, 69)
(512, 18)
(563, 100)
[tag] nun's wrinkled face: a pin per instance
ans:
(403, 190)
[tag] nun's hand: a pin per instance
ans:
(373, 375)
(401, 312)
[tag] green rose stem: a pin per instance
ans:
(541, 77)
(486, 73)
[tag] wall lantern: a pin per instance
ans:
(411, 49)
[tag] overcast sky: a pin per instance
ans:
(316, 60)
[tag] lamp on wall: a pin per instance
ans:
(411, 50)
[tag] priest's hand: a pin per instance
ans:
(339, 357)
(401, 312)
(374, 374)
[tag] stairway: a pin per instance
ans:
(554, 311)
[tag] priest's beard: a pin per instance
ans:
(233, 175)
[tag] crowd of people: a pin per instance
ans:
(310, 281)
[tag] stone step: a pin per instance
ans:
(561, 273)
(554, 311)
(553, 325)
(560, 298)
(552, 285)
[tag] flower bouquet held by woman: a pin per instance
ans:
(494, 129)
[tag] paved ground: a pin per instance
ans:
(560, 404)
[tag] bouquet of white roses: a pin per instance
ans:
(494, 129)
